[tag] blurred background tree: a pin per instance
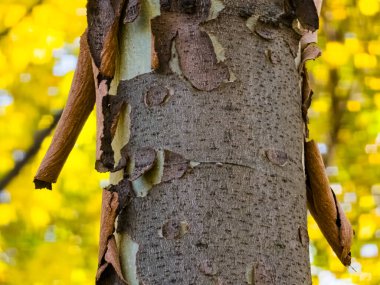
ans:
(50, 237)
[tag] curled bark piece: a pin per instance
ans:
(114, 199)
(109, 272)
(305, 11)
(310, 52)
(175, 166)
(103, 25)
(144, 159)
(180, 23)
(307, 95)
(124, 159)
(303, 236)
(132, 11)
(264, 30)
(109, 108)
(324, 207)
(79, 105)
(110, 204)
(312, 37)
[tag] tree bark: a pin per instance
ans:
(238, 214)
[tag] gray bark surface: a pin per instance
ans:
(244, 212)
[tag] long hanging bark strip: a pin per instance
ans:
(79, 105)
(324, 206)
(321, 199)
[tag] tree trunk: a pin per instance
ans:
(225, 200)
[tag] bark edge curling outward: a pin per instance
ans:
(79, 105)
(324, 207)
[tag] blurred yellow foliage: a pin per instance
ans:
(335, 54)
(369, 7)
(353, 106)
(365, 60)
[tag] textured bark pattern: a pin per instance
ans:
(242, 208)
(179, 22)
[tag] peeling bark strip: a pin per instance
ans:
(108, 117)
(114, 199)
(79, 105)
(103, 17)
(179, 23)
(324, 207)
(307, 95)
(305, 11)
(132, 11)
(110, 271)
(310, 52)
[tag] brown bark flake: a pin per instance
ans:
(307, 95)
(264, 30)
(132, 11)
(324, 207)
(157, 95)
(310, 52)
(180, 23)
(305, 12)
(109, 113)
(174, 229)
(109, 272)
(79, 105)
(175, 166)
(144, 159)
(110, 204)
(114, 199)
(303, 236)
(277, 157)
(103, 25)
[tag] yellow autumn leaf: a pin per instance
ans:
(13, 14)
(39, 217)
(368, 7)
(372, 82)
(339, 13)
(374, 47)
(321, 105)
(367, 227)
(78, 276)
(335, 54)
(367, 202)
(8, 214)
(353, 106)
(374, 158)
(365, 60)
(353, 45)
(376, 100)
